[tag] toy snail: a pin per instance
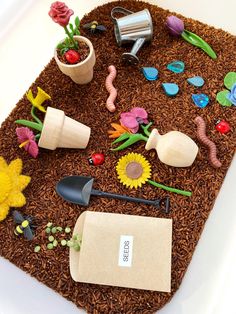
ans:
(173, 148)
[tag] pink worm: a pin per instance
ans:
(111, 89)
(201, 134)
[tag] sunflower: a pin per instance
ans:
(11, 185)
(133, 170)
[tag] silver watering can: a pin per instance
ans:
(132, 28)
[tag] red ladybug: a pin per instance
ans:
(72, 56)
(96, 159)
(222, 126)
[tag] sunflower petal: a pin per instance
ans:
(16, 199)
(4, 210)
(15, 167)
(21, 182)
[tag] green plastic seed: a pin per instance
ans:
(63, 242)
(70, 243)
(50, 246)
(49, 225)
(59, 229)
(37, 248)
(67, 230)
(77, 247)
(75, 237)
(55, 243)
(51, 238)
(54, 230)
(48, 230)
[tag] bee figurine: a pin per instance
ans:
(94, 26)
(24, 225)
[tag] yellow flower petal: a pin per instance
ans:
(3, 164)
(16, 199)
(5, 186)
(4, 210)
(15, 167)
(21, 182)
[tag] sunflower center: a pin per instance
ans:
(5, 186)
(134, 170)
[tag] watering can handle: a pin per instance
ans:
(119, 10)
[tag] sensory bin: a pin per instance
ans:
(87, 103)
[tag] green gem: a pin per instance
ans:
(50, 246)
(55, 243)
(67, 230)
(63, 242)
(48, 230)
(37, 248)
(49, 225)
(51, 238)
(54, 230)
(70, 243)
(77, 247)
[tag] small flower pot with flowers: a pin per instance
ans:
(75, 54)
(57, 130)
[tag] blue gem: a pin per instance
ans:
(151, 74)
(196, 81)
(171, 89)
(200, 100)
(176, 66)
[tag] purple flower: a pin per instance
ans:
(175, 25)
(232, 95)
(133, 119)
(27, 140)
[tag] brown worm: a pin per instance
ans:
(111, 89)
(201, 134)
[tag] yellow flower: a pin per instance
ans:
(133, 170)
(11, 185)
(39, 99)
(119, 130)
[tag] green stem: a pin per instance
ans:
(75, 43)
(30, 124)
(198, 42)
(37, 136)
(167, 188)
(130, 140)
(35, 117)
(145, 129)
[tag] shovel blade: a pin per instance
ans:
(75, 189)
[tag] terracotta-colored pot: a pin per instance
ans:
(82, 72)
(173, 148)
(62, 131)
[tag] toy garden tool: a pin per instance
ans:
(78, 189)
(132, 28)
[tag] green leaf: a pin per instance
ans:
(77, 22)
(222, 99)
(230, 79)
(198, 42)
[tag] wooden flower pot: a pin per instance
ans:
(173, 148)
(62, 131)
(82, 72)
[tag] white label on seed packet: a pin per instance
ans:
(125, 251)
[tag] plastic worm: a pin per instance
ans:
(111, 89)
(201, 134)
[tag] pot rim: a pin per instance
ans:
(78, 38)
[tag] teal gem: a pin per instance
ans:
(171, 89)
(200, 100)
(151, 74)
(176, 66)
(196, 81)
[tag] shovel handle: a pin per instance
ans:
(163, 203)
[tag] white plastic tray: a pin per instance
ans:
(28, 37)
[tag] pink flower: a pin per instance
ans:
(134, 118)
(60, 13)
(27, 140)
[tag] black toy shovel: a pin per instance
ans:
(78, 189)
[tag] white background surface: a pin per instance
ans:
(28, 37)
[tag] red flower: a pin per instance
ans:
(60, 13)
